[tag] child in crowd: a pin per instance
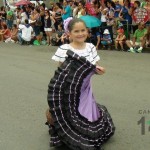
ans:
(120, 39)
(73, 112)
(106, 39)
(14, 32)
(56, 40)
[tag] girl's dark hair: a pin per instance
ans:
(73, 22)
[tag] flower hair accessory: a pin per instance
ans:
(66, 23)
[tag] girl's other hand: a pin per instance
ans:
(100, 70)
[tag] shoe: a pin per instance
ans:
(139, 50)
(12, 41)
(131, 50)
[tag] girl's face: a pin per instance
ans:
(78, 33)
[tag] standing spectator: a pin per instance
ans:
(23, 15)
(75, 9)
(9, 18)
(117, 11)
(47, 26)
(117, 8)
(66, 12)
(94, 8)
(81, 10)
(125, 17)
(35, 17)
(135, 6)
(42, 15)
(18, 16)
(110, 17)
(3, 13)
(103, 10)
(57, 16)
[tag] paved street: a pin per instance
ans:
(25, 72)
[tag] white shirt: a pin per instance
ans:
(23, 17)
(90, 53)
(26, 32)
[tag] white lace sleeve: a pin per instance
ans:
(60, 54)
(95, 56)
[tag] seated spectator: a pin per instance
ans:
(65, 38)
(120, 39)
(94, 37)
(136, 45)
(26, 32)
(4, 33)
(106, 39)
(14, 33)
(56, 40)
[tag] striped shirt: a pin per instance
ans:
(89, 52)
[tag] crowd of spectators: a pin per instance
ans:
(37, 24)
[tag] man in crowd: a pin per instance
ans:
(137, 39)
(25, 33)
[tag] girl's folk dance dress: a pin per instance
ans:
(79, 122)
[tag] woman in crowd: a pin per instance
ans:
(23, 15)
(110, 17)
(5, 33)
(3, 13)
(14, 33)
(47, 26)
(125, 17)
(57, 16)
(36, 18)
(81, 10)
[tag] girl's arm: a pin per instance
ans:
(99, 70)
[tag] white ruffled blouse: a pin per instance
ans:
(90, 53)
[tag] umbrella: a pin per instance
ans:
(91, 21)
(23, 2)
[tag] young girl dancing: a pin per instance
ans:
(74, 117)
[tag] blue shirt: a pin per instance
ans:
(68, 12)
(118, 6)
(108, 37)
(126, 15)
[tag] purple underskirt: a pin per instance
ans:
(87, 105)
